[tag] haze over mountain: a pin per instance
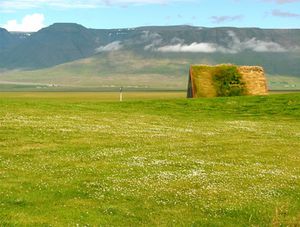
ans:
(277, 50)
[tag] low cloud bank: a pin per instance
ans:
(114, 46)
(194, 47)
(235, 46)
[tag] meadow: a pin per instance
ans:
(156, 159)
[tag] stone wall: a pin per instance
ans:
(255, 80)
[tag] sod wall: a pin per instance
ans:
(226, 80)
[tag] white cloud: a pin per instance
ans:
(281, 1)
(262, 46)
(114, 46)
(30, 23)
(221, 19)
(177, 40)
(6, 5)
(194, 47)
(235, 46)
(279, 13)
(253, 44)
(152, 37)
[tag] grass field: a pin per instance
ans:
(84, 159)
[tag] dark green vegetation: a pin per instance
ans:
(228, 81)
(82, 158)
(72, 55)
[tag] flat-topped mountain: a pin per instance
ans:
(277, 50)
(7, 40)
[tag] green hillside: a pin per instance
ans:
(109, 70)
(277, 50)
(124, 68)
(70, 56)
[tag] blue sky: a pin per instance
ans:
(31, 15)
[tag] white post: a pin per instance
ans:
(121, 94)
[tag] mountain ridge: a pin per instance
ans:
(277, 50)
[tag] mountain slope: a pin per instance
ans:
(50, 46)
(61, 43)
(7, 40)
(119, 68)
(128, 69)
(72, 55)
